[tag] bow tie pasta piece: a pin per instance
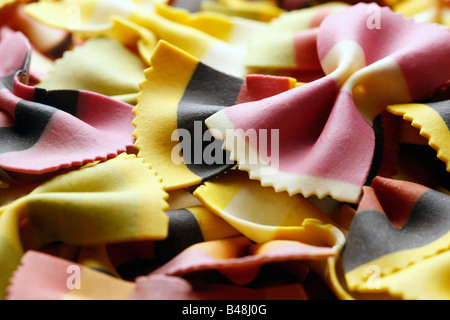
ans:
(179, 93)
(301, 158)
(264, 215)
(44, 131)
(398, 242)
(238, 259)
(217, 39)
(328, 147)
(115, 201)
(45, 277)
(101, 65)
(165, 99)
(110, 19)
(94, 18)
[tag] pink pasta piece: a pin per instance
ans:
(43, 131)
(229, 257)
(371, 58)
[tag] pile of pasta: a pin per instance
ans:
(224, 150)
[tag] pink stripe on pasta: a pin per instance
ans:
(39, 271)
(67, 141)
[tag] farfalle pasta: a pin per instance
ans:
(102, 65)
(296, 218)
(71, 209)
(85, 17)
(366, 69)
(220, 49)
(44, 131)
(194, 92)
(400, 230)
(230, 257)
(44, 39)
(224, 150)
(99, 286)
